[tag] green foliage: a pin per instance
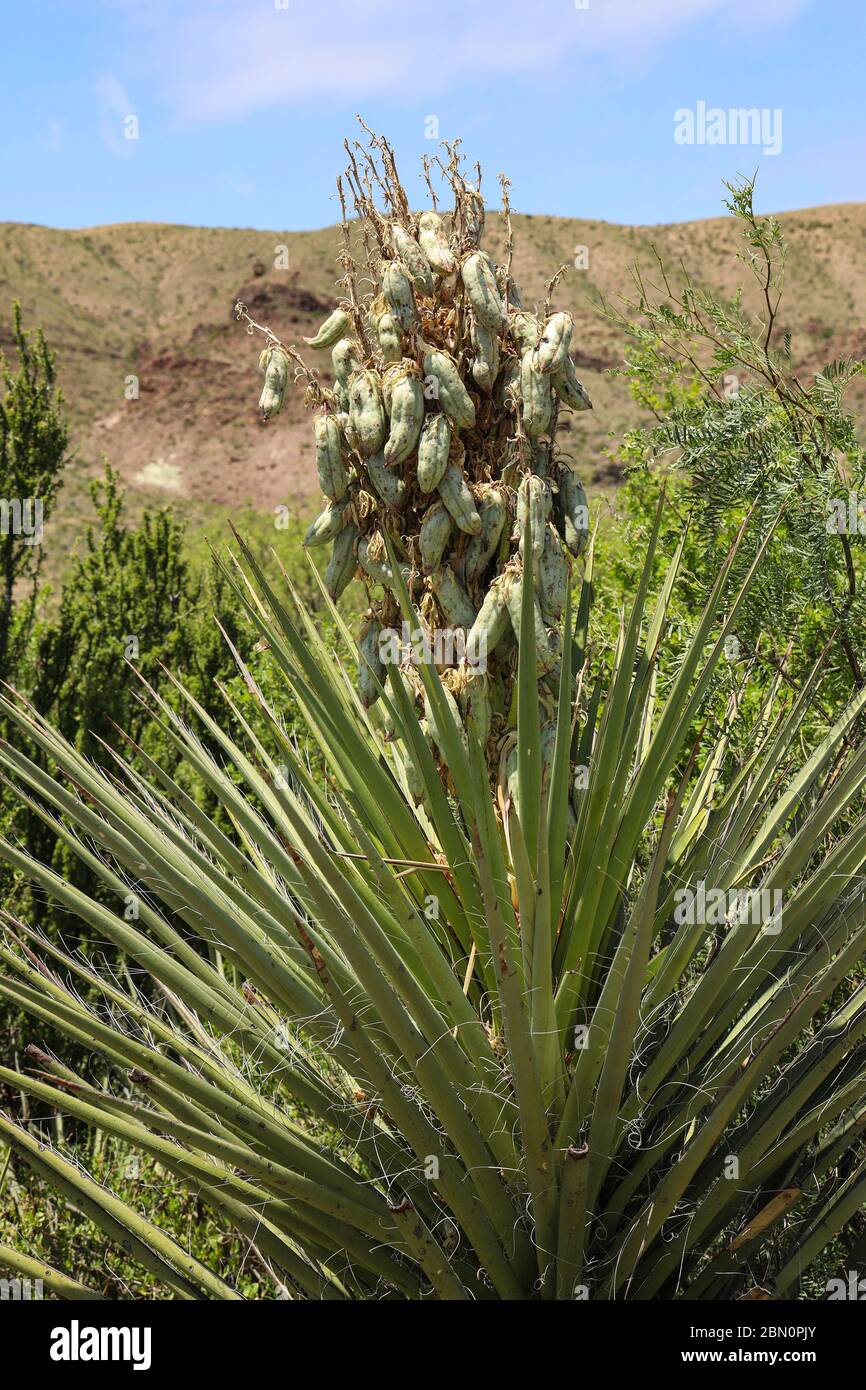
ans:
(130, 603)
(129, 597)
(33, 444)
(737, 430)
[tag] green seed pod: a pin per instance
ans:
(414, 780)
(341, 400)
(329, 457)
(473, 215)
(552, 659)
(397, 674)
(539, 461)
(548, 745)
(367, 411)
(493, 511)
(569, 389)
(397, 289)
(434, 447)
(572, 512)
(536, 397)
(274, 363)
(408, 251)
(345, 361)
(443, 378)
(525, 330)
(434, 243)
(491, 624)
(389, 376)
(406, 409)
(474, 700)
(479, 281)
(390, 337)
(371, 671)
(498, 693)
(485, 362)
(455, 493)
(435, 732)
(506, 645)
(342, 564)
(327, 525)
(436, 529)
(373, 559)
(387, 484)
(351, 435)
(546, 653)
(507, 391)
(377, 569)
(331, 331)
(554, 343)
(456, 605)
(552, 577)
(534, 497)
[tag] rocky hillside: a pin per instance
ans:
(156, 303)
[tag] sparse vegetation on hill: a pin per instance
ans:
(156, 301)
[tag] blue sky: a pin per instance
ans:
(242, 105)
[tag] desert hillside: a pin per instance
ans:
(157, 301)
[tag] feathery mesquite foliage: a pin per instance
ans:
(738, 427)
(459, 1041)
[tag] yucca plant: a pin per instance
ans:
(546, 1001)
(449, 1048)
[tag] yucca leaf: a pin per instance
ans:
(572, 1222)
(828, 1222)
(54, 1280)
(529, 759)
(540, 1166)
(558, 803)
(153, 1249)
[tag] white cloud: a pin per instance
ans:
(233, 57)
